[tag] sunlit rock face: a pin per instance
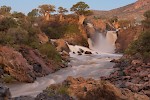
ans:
(125, 37)
(16, 65)
(141, 3)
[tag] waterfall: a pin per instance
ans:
(103, 43)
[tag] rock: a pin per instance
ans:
(1, 71)
(61, 45)
(88, 52)
(147, 92)
(41, 65)
(37, 68)
(54, 92)
(144, 73)
(16, 65)
(23, 98)
(136, 80)
(125, 39)
(133, 96)
(4, 93)
(79, 53)
(134, 87)
(52, 97)
(115, 60)
(64, 53)
(70, 80)
(43, 38)
(81, 50)
(136, 62)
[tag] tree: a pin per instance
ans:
(61, 11)
(18, 15)
(81, 9)
(33, 13)
(5, 10)
(45, 10)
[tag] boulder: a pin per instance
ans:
(61, 45)
(16, 65)
(43, 38)
(4, 93)
(136, 62)
(88, 52)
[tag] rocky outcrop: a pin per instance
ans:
(41, 65)
(43, 38)
(98, 24)
(61, 45)
(126, 36)
(14, 64)
(4, 93)
(90, 89)
(52, 94)
(132, 74)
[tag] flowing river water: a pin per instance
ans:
(86, 65)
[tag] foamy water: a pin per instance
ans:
(88, 66)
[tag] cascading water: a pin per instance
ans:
(105, 44)
(85, 65)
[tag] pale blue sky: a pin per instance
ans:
(27, 5)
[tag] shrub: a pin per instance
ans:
(7, 23)
(57, 30)
(141, 46)
(50, 51)
(17, 36)
(57, 89)
(7, 78)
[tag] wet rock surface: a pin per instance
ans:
(4, 93)
(23, 98)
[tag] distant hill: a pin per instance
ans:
(131, 11)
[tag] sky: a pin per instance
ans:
(26, 6)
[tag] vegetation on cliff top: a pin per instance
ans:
(17, 29)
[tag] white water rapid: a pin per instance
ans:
(84, 65)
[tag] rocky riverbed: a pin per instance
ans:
(132, 74)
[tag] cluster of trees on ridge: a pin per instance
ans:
(80, 8)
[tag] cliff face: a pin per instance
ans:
(126, 36)
(132, 11)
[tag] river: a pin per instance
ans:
(92, 65)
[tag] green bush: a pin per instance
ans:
(7, 23)
(141, 46)
(56, 30)
(7, 78)
(17, 36)
(57, 89)
(50, 51)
